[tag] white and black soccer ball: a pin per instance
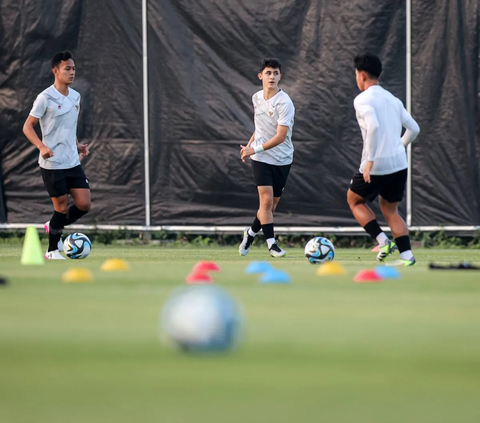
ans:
(77, 246)
(201, 319)
(319, 250)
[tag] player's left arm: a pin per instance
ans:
(367, 113)
(371, 142)
(83, 149)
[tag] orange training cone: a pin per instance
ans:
(206, 266)
(367, 276)
(196, 277)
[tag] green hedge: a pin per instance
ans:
(438, 239)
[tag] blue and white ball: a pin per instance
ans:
(201, 319)
(77, 246)
(319, 250)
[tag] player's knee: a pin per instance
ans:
(62, 208)
(354, 200)
(84, 205)
(266, 202)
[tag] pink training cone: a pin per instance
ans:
(198, 277)
(375, 249)
(206, 266)
(367, 276)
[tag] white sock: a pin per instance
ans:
(382, 239)
(251, 233)
(406, 255)
(270, 242)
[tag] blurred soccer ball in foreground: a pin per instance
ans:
(77, 246)
(201, 319)
(319, 250)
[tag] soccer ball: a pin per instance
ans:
(319, 250)
(201, 319)
(77, 246)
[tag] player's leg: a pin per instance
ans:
(262, 175)
(56, 186)
(79, 189)
(280, 176)
(265, 215)
(389, 200)
(357, 196)
(250, 233)
(83, 202)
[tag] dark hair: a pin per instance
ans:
(270, 63)
(369, 63)
(60, 57)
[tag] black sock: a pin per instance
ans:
(73, 214)
(373, 228)
(268, 230)
(256, 225)
(57, 223)
(403, 243)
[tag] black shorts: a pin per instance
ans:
(391, 187)
(270, 175)
(58, 182)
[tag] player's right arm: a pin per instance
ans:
(411, 128)
(29, 131)
(38, 110)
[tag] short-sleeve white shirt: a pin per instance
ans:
(278, 110)
(390, 155)
(58, 116)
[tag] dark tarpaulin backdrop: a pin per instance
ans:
(106, 40)
(203, 59)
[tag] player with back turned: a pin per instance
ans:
(384, 167)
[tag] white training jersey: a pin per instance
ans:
(58, 121)
(381, 116)
(278, 110)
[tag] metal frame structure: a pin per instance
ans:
(238, 229)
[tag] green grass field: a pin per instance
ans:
(322, 349)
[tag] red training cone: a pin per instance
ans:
(367, 276)
(206, 266)
(198, 277)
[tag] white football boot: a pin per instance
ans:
(54, 255)
(276, 251)
(246, 243)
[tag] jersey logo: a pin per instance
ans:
(59, 107)
(76, 107)
(270, 113)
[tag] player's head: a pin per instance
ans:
(63, 67)
(270, 72)
(368, 69)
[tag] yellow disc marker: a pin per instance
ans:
(77, 275)
(114, 265)
(331, 268)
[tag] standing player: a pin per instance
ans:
(271, 151)
(57, 108)
(384, 166)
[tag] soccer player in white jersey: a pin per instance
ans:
(271, 151)
(383, 169)
(57, 109)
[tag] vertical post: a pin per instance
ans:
(409, 107)
(146, 143)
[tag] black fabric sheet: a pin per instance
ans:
(106, 41)
(202, 66)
